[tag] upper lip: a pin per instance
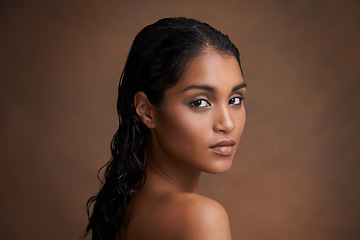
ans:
(225, 142)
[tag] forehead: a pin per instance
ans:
(211, 68)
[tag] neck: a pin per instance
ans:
(173, 177)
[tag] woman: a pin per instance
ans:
(181, 112)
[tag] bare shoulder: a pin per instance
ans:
(192, 216)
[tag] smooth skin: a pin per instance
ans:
(197, 128)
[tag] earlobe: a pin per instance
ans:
(144, 109)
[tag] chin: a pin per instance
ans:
(220, 167)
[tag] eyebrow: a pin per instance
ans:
(238, 87)
(201, 87)
(211, 89)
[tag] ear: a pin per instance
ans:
(144, 109)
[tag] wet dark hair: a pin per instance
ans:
(157, 58)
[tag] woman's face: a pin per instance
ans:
(200, 121)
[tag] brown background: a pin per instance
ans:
(296, 175)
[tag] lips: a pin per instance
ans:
(224, 147)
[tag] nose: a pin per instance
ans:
(223, 120)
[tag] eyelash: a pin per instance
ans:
(194, 103)
(241, 99)
(200, 101)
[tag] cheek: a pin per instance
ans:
(242, 119)
(183, 130)
(240, 123)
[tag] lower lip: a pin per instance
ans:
(223, 150)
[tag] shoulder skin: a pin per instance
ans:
(192, 216)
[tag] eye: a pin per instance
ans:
(236, 100)
(200, 103)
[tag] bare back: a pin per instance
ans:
(158, 214)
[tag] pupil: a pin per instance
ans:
(197, 102)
